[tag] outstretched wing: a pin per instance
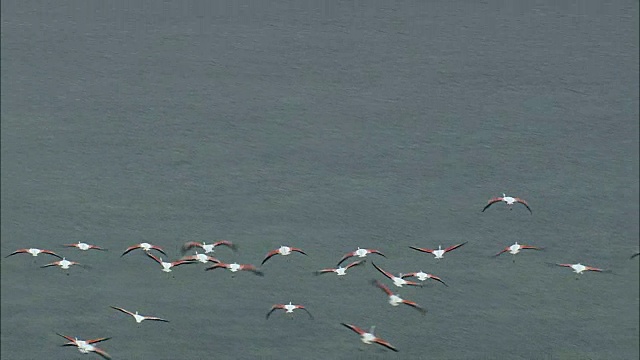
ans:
(430, 251)
(491, 202)
(354, 328)
(521, 201)
(454, 247)
(269, 255)
(385, 344)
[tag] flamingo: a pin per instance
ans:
(166, 266)
(64, 264)
(208, 248)
(288, 308)
(144, 246)
(439, 252)
(201, 258)
(340, 271)
(282, 250)
(34, 252)
(368, 337)
(396, 300)
(84, 246)
(360, 253)
(515, 248)
(139, 318)
(234, 267)
(397, 281)
(507, 200)
(86, 346)
(422, 276)
(579, 268)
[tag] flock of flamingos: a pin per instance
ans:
(367, 337)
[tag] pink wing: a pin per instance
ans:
(454, 247)
(101, 353)
(137, 246)
(354, 328)
(269, 255)
(346, 256)
(521, 201)
(226, 243)
(298, 250)
(386, 273)
(153, 257)
(415, 305)
(430, 251)
(216, 266)
(491, 202)
(384, 288)
(93, 341)
(385, 344)
(353, 264)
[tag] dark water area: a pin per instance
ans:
(325, 126)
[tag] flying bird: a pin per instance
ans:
(515, 248)
(340, 271)
(64, 264)
(166, 266)
(360, 253)
(396, 300)
(579, 268)
(34, 252)
(144, 246)
(208, 248)
(234, 267)
(368, 337)
(139, 318)
(288, 308)
(422, 276)
(201, 258)
(439, 252)
(86, 346)
(84, 246)
(507, 200)
(397, 281)
(282, 250)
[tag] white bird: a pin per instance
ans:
(396, 300)
(64, 264)
(86, 346)
(84, 246)
(422, 276)
(360, 253)
(34, 252)
(439, 252)
(282, 250)
(144, 246)
(166, 266)
(201, 258)
(368, 337)
(579, 268)
(139, 318)
(397, 281)
(288, 308)
(208, 248)
(340, 271)
(515, 248)
(507, 200)
(234, 267)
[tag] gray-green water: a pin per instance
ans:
(326, 126)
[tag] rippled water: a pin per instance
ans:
(324, 126)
